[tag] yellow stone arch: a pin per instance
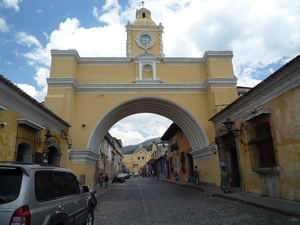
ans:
(160, 106)
(100, 91)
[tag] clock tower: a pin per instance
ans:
(144, 35)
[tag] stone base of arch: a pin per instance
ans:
(204, 153)
(83, 164)
(207, 161)
(83, 156)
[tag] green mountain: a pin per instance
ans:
(146, 144)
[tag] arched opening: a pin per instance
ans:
(52, 154)
(163, 107)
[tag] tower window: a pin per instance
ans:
(143, 15)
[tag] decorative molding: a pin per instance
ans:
(147, 81)
(128, 44)
(30, 124)
(199, 61)
(83, 156)
(2, 108)
(161, 45)
(147, 67)
(205, 153)
(271, 171)
(256, 113)
(140, 84)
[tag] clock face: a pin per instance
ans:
(145, 40)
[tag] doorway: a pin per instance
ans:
(231, 158)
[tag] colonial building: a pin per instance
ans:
(29, 131)
(137, 159)
(156, 165)
(179, 160)
(258, 135)
(111, 160)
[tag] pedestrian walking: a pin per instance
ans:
(196, 176)
(101, 180)
(106, 181)
(225, 178)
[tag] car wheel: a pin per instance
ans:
(90, 218)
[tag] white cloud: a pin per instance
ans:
(11, 4)
(23, 38)
(140, 127)
(41, 77)
(4, 28)
(127, 137)
(30, 90)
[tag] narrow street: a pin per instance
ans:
(143, 201)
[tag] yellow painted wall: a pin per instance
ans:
(130, 159)
(285, 128)
(284, 122)
(8, 135)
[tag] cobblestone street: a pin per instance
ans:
(143, 201)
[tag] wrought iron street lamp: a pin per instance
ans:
(48, 137)
(67, 137)
(238, 134)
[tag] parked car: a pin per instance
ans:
(136, 174)
(126, 175)
(42, 194)
(119, 178)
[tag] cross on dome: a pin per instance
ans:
(142, 4)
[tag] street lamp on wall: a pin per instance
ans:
(48, 137)
(238, 134)
(67, 137)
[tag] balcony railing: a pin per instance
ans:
(174, 147)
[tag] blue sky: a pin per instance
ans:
(263, 36)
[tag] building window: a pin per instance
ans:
(182, 161)
(261, 143)
(27, 140)
(174, 145)
(24, 153)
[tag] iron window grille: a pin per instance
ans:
(262, 154)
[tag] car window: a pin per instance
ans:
(73, 185)
(11, 180)
(61, 183)
(45, 188)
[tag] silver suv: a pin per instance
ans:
(32, 194)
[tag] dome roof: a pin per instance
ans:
(143, 17)
(140, 149)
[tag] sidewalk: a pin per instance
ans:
(286, 207)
